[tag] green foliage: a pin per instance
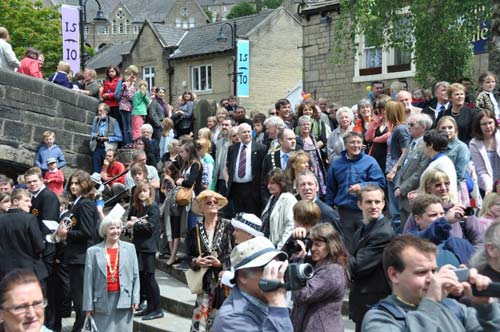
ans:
(210, 15)
(271, 4)
(439, 31)
(30, 25)
(242, 9)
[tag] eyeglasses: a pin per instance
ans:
(23, 308)
(211, 203)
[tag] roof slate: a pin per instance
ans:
(110, 55)
(203, 39)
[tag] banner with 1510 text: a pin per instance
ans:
(243, 66)
(71, 36)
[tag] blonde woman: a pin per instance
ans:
(204, 145)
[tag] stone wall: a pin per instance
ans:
(30, 106)
(324, 78)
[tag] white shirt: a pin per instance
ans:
(438, 108)
(152, 175)
(248, 169)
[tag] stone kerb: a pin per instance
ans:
(30, 106)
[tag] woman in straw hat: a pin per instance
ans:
(210, 247)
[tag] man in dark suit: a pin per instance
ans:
(21, 241)
(244, 169)
(369, 284)
(278, 159)
(414, 162)
(45, 206)
(439, 104)
(308, 187)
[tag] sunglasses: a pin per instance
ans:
(212, 203)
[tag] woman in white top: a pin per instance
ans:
(436, 144)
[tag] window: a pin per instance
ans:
(184, 12)
(106, 30)
(120, 28)
(113, 27)
(86, 30)
(137, 28)
(201, 78)
(148, 74)
(120, 14)
(127, 26)
(178, 23)
(191, 22)
(374, 63)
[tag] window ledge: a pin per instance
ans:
(383, 76)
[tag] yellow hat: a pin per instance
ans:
(204, 194)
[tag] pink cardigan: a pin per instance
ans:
(482, 163)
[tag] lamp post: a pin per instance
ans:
(221, 38)
(98, 19)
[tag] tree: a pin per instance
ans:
(439, 32)
(271, 4)
(494, 54)
(30, 25)
(242, 9)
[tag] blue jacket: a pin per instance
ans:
(61, 78)
(44, 153)
(439, 233)
(238, 314)
(344, 172)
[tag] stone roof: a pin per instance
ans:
(203, 40)
(208, 3)
(109, 55)
(168, 35)
(153, 10)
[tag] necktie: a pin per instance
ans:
(285, 161)
(243, 161)
(442, 109)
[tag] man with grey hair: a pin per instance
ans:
(8, 60)
(273, 124)
(440, 103)
(244, 169)
(139, 156)
(414, 162)
(404, 97)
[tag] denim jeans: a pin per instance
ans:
(127, 126)
(393, 206)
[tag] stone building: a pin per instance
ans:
(275, 59)
(195, 61)
(348, 82)
(126, 17)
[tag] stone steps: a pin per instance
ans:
(176, 273)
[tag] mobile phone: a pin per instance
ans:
(469, 211)
(462, 274)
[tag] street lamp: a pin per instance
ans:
(222, 39)
(98, 20)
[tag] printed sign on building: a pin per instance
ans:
(71, 36)
(243, 67)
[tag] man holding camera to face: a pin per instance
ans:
(435, 225)
(419, 293)
(248, 308)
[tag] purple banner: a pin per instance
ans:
(71, 36)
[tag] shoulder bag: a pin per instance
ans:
(195, 278)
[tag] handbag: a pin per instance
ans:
(195, 278)
(184, 196)
(89, 325)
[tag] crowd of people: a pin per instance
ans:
(387, 197)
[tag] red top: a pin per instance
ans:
(108, 92)
(113, 170)
(30, 67)
(115, 263)
(55, 181)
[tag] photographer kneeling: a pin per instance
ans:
(248, 308)
(317, 306)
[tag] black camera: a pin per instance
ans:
(295, 248)
(296, 276)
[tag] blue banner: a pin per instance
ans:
(481, 37)
(243, 67)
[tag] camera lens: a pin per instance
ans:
(306, 271)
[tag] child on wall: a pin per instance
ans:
(48, 149)
(140, 104)
(54, 177)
